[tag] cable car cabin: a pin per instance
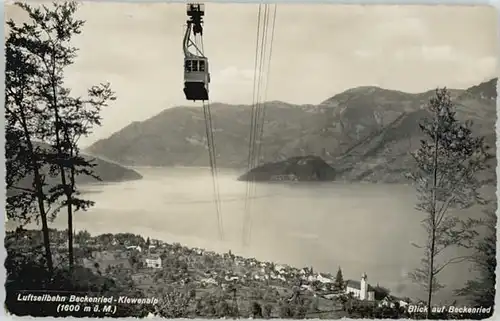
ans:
(196, 78)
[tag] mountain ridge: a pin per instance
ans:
(357, 131)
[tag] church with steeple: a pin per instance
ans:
(361, 289)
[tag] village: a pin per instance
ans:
(255, 288)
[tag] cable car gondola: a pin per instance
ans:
(196, 72)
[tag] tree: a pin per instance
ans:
(267, 311)
(445, 176)
(339, 281)
(300, 309)
(82, 236)
(174, 302)
(222, 308)
(47, 39)
(256, 310)
(381, 292)
(314, 306)
(481, 291)
(285, 310)
(24, 118)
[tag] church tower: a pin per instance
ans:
(363, 295)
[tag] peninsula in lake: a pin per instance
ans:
(300, 168)
(105, 171)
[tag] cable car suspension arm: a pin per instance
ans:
(189, 43)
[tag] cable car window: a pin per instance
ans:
(202, 65)
(195, 65)
(188, 65)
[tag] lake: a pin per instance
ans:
(359, 227)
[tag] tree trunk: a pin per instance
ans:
(69, 206)
(70, 219)
(67, 189)
(43, 218)
(433, 222)
(39, 193)
(431, 275)
(54, 104)
(70, 237)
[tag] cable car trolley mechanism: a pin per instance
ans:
(196, 73)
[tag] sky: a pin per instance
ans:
(318, 51)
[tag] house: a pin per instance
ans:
(404, 303)
(207, 281)
(392, 301)
(134, 247)
(331, 296)
(323, 279)
(361, 289)
(388, 301)
(153, 261)
(231, 278)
